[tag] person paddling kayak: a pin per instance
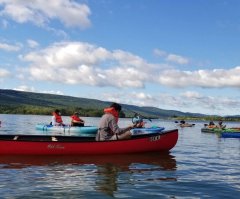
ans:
(57, 118)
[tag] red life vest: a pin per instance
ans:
(76, 118)
(58, 118)
(112, 111)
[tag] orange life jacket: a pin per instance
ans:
(112, 111)
(211, 126)
(58, 118)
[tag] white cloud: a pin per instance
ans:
(83, 63)
(217, 78)
(25, 88)
(190, 101)
(142, 99)
(32, 44)
(40, 12)
(173, 58)
(159, 53)
(132, 98)
(4, 73)
(177, 59)
(8, 47)
(32, 89)
(52, 92)
(191, 94)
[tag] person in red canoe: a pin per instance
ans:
(57, 118)
(108, 128)
(76, 120)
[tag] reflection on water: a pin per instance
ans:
(135, 168)
(107, 172)
(164, 160)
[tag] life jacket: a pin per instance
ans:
(112, 111)
(58, 118)
(107, 129)
(211, 126)
(74, 117)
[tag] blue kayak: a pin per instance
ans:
(85, 130)
(230, 134)
(143, 131)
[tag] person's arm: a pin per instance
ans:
(130, 127)
(115, 128)
(80, 122)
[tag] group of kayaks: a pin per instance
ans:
(233, 132)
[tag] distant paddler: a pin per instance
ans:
(57, 118)
(220, 125)
(212, 125)
(76, 120)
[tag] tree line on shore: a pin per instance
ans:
(39, 110)
(93, 112)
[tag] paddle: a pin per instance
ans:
(137, 114)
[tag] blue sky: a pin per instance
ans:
(178, 55)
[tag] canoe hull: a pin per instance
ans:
(73, 145)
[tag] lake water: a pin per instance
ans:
(201, 165)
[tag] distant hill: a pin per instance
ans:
(12, 101)
(21, 98)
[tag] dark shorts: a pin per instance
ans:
(77, 124)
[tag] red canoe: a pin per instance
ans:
(75, 145)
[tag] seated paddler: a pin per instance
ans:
(76, 120)
(108, 128)
(57, 118)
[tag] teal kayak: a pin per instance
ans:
(85, 130)
(92, 130)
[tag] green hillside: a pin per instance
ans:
(12, 97)
(19, 102)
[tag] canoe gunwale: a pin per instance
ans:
(71, 139)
